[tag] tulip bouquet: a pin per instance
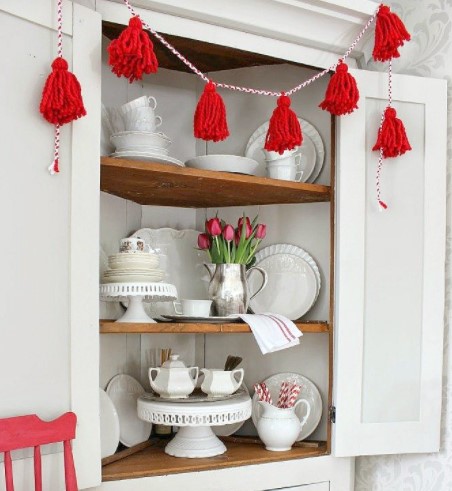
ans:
(226, 244)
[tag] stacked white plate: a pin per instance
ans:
(142, 145)
(139, 267)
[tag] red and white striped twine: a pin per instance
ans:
(60, 28)
(381, 204)
(250, 90)
(53, 167)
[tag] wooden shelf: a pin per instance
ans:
(153, 461)
(112, 327)
(149, 183)
(207, 57)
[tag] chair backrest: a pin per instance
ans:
(30, 431)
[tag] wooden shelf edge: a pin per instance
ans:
(153, 461)
(151, 183)
(112, 327)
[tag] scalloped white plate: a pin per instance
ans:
(295, 251)
(312, 150)
(308, 391)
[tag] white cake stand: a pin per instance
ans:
(136, 294)
(195, 438)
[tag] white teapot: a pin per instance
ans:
(173, 379)
(218, 383)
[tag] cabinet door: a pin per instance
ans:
(49, 333)
(390, 274)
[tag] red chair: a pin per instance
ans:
(30, 431)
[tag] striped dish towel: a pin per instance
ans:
(273, 332)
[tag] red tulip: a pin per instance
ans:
(203, 241)
(248, 222)
(228, 233)
(261, 231)
(213, 227)
(236, 238)
(249, 231)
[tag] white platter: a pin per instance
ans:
(211, 320)
(195, 397)
(124, 392)
(109, 425)
(182, 262)
(291, 289)
(312, 150)
(295, 251)
(308, 391)
(130, 277)
(225, 163)
(147, 156)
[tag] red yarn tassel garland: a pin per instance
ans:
(210, 116)
(342, 93)
(132, 54)
(392, 139)
(61, 100)
(284, 130)
(390, 34)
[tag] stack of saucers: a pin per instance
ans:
(141, 267)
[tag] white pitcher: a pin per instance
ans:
(279, 427)
(218, 383)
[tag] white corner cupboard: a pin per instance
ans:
(378, 361)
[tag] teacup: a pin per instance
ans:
(142, 119)
(130, 245)
(144, 101)
(270, 155)
(193, 308)
(287, 168)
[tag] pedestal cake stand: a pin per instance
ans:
(195, 438)
(135, 294)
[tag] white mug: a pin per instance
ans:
(142, 119)
(144, 101)
(131, 245)
(287, 169)
(193, 308)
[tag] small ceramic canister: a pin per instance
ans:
(173, 379)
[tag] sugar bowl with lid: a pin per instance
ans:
(173, 380)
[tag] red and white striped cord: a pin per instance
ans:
(54, 166)
(250, 90)
(381, 204)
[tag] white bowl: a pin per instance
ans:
(141, 140)
(225, 163)
(133, 265)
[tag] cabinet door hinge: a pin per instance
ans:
(332, 414)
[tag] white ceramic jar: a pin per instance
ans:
(173, 380)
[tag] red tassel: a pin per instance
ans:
(284, 131)
(132, 54)
(62, 95)
(392, 139)
(390, 34)
(210, 116)
(342, 93)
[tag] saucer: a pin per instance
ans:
(148, 157)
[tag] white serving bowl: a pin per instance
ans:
(132, 262)
(141, 141)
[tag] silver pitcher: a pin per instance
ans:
(228, 287)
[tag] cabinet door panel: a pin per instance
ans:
(390, 274)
